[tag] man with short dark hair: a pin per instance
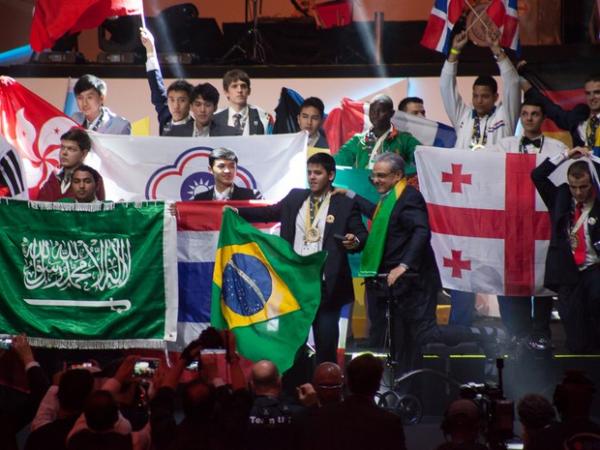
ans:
(573, 399)
(244, 118)
(75, 144)
(573, 258)
(90, 93)
(222, 164)
(310, 119)
(413, 106)
(173, 104)
(535, 413)
(204, 100)
(362, 148)
(483, 123)
(361, 422)
(73, 388)
(313, 220)
(83, 184)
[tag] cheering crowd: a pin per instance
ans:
(397, 261)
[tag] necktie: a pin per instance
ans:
(535, 142)
(591, 130)
(237, 122)
(579, 249)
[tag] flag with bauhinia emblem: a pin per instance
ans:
(99, 275)
(264, 291)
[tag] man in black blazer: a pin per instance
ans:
(245, 119)
(573, 260)
(222, 163)
(205, 99)
(312, 220)
(413, 279)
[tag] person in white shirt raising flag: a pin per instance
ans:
(479, 125)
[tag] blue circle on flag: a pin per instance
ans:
(195, 184)
(247, 284)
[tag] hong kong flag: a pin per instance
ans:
(32, 126)
(54, 18)
(490, 228)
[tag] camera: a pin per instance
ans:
(5, 343)
(145, 368)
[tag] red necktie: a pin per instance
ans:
(579, 251)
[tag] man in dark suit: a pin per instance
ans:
(205, 99)
(399, 246)
(310, 118)
(357, 422)
(172, 104)
(244, 118)
(573, 260)
(312, 220)
(222, 164)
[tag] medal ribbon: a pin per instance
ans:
(314, 207)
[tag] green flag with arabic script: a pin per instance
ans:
(98, 275)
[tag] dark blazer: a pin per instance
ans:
(560, 265)
(408, 238)
(239, 193)
(322, 141)
(364, 425)
(567, 120)
(187, 130)
(338, 288)
(158, 96)
(255, 125)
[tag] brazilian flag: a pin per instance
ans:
(264, 292)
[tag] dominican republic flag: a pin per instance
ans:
(443, 17)
(505, 15)
(490, 228)
(352, 117)
(445, 14)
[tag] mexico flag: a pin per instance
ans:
(490, 228)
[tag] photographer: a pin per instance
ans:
(461, 426)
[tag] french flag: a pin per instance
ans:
(443, 17)
(352, 117)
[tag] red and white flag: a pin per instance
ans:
(33, 127)
(490, 228)
(54, 18)
(345, 121)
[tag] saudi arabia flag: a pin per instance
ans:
(264, 291)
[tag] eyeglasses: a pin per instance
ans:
(330, 386)
(380, 176)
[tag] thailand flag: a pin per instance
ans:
(198, 225)
(443, 17)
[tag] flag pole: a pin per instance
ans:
(143, 15)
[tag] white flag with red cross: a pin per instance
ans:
(490, 228)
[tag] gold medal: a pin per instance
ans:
(312, 235)
(574, 241)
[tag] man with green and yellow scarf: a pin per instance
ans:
(399, 246)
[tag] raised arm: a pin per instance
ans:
(453, 102)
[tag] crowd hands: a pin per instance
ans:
(176, 407)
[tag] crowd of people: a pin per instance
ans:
(199, 401)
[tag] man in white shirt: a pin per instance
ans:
(244, 118)
(478, 125)
(483, 123)
(527, 319)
